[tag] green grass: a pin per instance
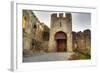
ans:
(81, 56)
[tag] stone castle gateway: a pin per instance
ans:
(39, 38)
(60, 33)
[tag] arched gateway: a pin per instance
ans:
(61, 44)
(60, 39)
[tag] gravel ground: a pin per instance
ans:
(47, 57)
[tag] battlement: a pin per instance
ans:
(55, 18)
(60, 15)
(68, 15)
(54, 15)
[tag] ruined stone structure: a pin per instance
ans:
(27, 28)
(60, 33)
(33, 33)
(58, 38)
(82, 41)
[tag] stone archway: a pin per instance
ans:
(61, 41)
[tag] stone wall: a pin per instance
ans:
(63, 24)
(82, 41)
(33, 31)
(27, 28)
(38, 37)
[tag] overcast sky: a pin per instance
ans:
(80, 21)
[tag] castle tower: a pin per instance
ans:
(61, 33)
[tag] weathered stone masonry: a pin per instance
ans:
(33, 33)
(58, 38)
(64, 25)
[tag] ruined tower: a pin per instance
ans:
(61, 33)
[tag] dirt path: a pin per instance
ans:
(48, 57)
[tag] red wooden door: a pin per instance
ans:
(61, 45)
(61, 39)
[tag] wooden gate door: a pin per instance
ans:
(61, 43)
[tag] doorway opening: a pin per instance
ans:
(61, 41)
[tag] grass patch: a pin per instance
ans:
(84, 56)
(79, 56)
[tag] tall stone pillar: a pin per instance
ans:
(69, 42)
